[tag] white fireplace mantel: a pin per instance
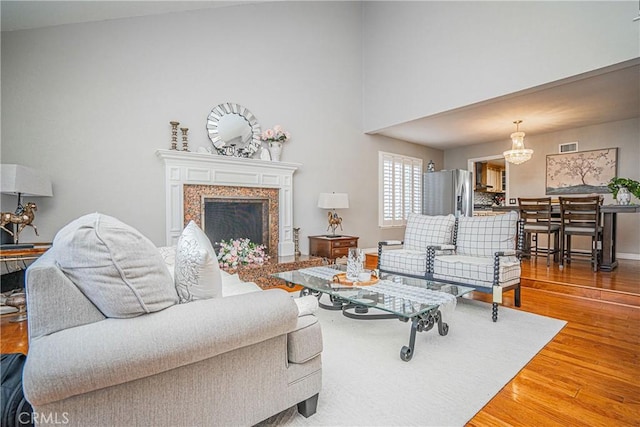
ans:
(210, 169)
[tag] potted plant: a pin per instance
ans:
(622, 188)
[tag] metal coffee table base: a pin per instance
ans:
(421, 323)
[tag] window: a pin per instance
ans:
(400, 188)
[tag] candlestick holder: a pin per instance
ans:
(174, 135)
(296, 241)
(185, 144)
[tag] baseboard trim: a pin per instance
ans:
(623, 255)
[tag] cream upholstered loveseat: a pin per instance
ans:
(480, 252)
(233, 360)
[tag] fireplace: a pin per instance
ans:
(231, 212)
(194, 179)
(190, 178)
(232, 218)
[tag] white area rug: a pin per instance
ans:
(449, 379)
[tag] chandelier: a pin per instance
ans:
(518, 154)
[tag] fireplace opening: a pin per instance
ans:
(232, 218)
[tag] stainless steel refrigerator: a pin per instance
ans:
(447, 192)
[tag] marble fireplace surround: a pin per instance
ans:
(194, 194)
(204, 173)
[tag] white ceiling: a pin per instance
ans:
(23, 14)
(600, 96)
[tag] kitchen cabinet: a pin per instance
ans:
(494, 179)
(489, 178)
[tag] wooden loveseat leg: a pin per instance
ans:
(494, 312)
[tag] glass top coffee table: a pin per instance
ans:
(420, 301)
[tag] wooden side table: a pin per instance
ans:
(371, 261)
(331, 247)
(13, 260)
(23, 254)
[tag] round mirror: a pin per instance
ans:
(234, 130)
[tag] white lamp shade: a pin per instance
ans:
(26, 181)
(333, 201)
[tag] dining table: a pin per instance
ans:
(609, 227)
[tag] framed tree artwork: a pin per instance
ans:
(581, 172)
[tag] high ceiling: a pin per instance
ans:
(600, 96)
(23, 14)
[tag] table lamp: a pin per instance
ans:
(22, 181)
(333, 201)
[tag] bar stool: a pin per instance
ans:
(536, 213)
(580, 216)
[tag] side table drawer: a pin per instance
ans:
(339, 252)
(352, 243)
(331, 247)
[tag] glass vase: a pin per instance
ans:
(355, 264)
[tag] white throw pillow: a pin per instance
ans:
(168, 254)
(307, 304)
(118, 269)
(197, 274)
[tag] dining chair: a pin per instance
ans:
(580, 216)
(536, 214)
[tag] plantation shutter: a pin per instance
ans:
(400, 188)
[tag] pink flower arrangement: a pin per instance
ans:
(237, 252)
(275, 134)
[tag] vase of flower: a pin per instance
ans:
(275, 137)
(275, 149)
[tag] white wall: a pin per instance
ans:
(423, 58)
(90, 103)
(528, 179)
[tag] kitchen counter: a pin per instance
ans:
(507, 208)
(486, 210)
(487, 213)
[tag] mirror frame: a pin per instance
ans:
(221, 145)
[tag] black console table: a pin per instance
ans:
(609, 213)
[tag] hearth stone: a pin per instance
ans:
(259, 274)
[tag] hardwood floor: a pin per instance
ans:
(621, 285)
(13, 336)
(586, 376)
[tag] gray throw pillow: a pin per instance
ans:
(118, 269)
